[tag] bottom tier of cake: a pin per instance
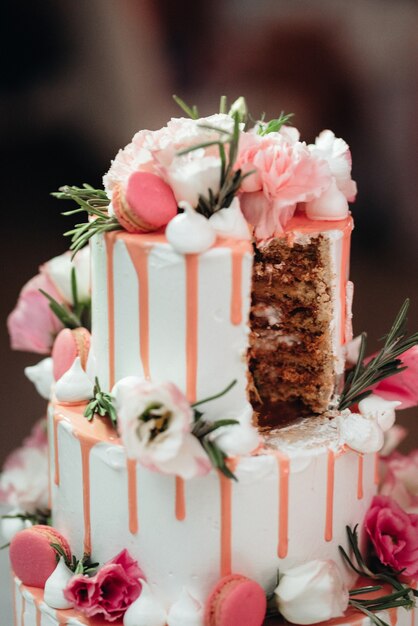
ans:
(31, 610)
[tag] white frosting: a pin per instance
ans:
(238, 439)
(10, 526)
(332, 205)
(230, 222)
(55, 585)
(383, 411)
(255, 505)
(360, 433)
(146, 610)
(190, 232)
(186, 611)
(41, 376)
(218, 362)
(74, 386)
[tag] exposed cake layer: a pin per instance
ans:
(103, 503)
(299, 320)
(173, 317)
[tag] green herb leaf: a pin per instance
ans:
(273, 126)
(190, 111)
(384, 365)
(101, 404)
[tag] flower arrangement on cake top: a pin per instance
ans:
(197, 166)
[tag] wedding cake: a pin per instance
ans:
(215, 438)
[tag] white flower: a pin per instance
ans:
(379, 409)
(311, 593)
(24, 479)
(41, 376)
(239, 106)
(238, 439)
(336, 153)
(192, 175)
(359, 433)
(155, 423)
(59, 271)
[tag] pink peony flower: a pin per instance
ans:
(32, 325)
(109, 592)
(401, 480)
(394, 534)
(155, 423)
(402, 386)
(24, 479)
(285, 173)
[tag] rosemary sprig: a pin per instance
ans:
(273, 126)
(78, 566)
(203, 428)
(190, 111)
(92, 201)
(230, 179)
(101, 404)
(403, 595)
(385, 364)
(78, 315)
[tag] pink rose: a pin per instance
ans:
(24, 478)
(402, 386)
(394, 534)
(32, 325)
(109, 592)
(401, 480)
(285, 173)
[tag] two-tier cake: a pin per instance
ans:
(213, 441)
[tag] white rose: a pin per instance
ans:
(379, 409)
(311, 593)
(24, 480)
(59, 271)
(359, 433)
(194, 174)
(155, 423)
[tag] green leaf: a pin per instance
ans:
(190, 111)
(101, 404)
(216, 396)
(273, 126)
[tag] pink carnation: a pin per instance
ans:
(110, 592)
(24, 478)
(32, 325)
(394, 534)
(284, 174)
(402, 386)
(401, 480)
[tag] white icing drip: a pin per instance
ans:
(360, 433)
(230, 222)
(383, 411)
(74, 386)
(55, 585)
(41, 376)
(190, 232)
(186, 611)
(145, 611)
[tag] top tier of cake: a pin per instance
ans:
(185, 318)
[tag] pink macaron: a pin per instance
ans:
(32, 557)
(236, 601)
(146, 204)
(69, 345)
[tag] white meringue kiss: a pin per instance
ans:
(231, 222)
(190, 232)
(186, 611)
(74, 386)
(360, 433)
(383, 411)
(238, 439)
(146, 610)
(55, 585)
(41, 376)
(331, 205)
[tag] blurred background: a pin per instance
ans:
(79, 78)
